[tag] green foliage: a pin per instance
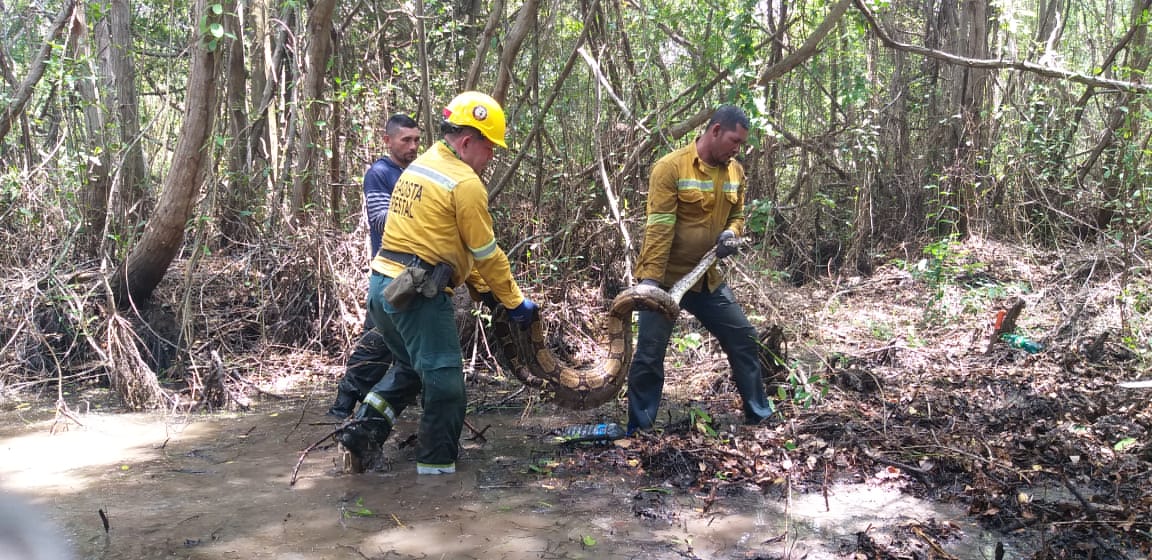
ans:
(687, 341)
(349, 88)
(701, 421)
(212, 31)
(944, 259)
(806, 390)
(759, 216)
(880, 330)
(543, 466)
(358, 510)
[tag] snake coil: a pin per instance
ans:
(583, 388)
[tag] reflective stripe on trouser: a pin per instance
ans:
(422, 468)
(718, 312)
(426, 348)
(377, 402)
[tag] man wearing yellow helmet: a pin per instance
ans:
(438, 216)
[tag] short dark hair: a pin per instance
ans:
(728, 117)
(398, 121)
(447, 129)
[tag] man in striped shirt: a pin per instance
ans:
(695, 202)
(371, 358)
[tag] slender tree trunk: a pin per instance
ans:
(963, 29)
(98, 186)
(261, 149)
(319, 47)
(29, 150)
(336, 175)
(1120, 144)
(431, 124)
(163, 236)
(973, 98)
(525, 23)
(279, 101)
(130, 185)
(494, 19)
(235, 212)
(15, 107)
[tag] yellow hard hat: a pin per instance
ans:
(479, 111)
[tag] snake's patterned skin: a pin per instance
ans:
(584, 388)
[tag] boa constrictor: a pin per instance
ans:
(583, 388)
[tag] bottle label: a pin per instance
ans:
(601, 433)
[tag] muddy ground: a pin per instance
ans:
(891, 381)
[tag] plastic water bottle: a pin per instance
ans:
(1022, 342)
(590, 433)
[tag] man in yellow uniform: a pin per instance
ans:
(438, 216)
(695, 202)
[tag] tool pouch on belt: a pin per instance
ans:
(415, 280)
(405, 286)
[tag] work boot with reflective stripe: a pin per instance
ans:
(368, 431)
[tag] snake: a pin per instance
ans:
(583, 388)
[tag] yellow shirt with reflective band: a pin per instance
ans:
(689, 204)
(439, 212)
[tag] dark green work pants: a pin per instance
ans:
(427, 359)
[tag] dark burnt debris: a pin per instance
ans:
(1046, 444)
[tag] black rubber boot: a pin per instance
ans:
(363, 438)
(345, 403)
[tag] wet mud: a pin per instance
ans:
(218, 486)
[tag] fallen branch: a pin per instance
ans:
(307, 450)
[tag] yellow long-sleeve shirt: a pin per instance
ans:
(439, 212)
(689, 204)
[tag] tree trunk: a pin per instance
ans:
(97, 189)
(319, 42)
(235, 213)
(262, 138)
(130, 188)
(163, 236)
(336, 175)
(1120, 142)
(19, 99)
(524, 25)
(431, 123)
(29, 149)
(963, 27)
(494, 19)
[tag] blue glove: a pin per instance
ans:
(523, 313)
(726, 244)
(649, 282)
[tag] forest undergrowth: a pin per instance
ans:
(893, 378)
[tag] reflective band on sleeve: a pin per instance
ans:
(662, 219)
(376, 401)
(486, 251)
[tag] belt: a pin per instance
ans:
(406, 259)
